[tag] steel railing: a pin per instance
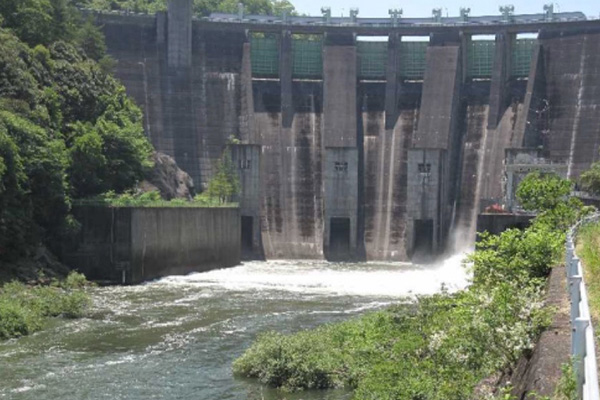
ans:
(582, 334)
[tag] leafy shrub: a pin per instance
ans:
(74, 304)
(590, 179)
(150, 199)
(566, 389)
(15, 320)
(23, 309)
(75, 280)
(542, 191)
(206, 200)
(332, 356)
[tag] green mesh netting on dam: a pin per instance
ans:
(411, 59)
(521, 57)
(480, 58)
(372, 59)
(264, 55)
(307, 55)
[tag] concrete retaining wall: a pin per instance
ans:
(131, 245)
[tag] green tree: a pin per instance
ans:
(549, 196)
(87, 161)
(225, 184)
(38, 195)
(126, 148)
(138, 6)
(201, 8)
(39, 21)
(281, 6)
(91, 39)
(590, 179)
(540, 191)
(64, 20)
(264, 7)
(15, 226)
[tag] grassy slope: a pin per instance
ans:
(588, 249)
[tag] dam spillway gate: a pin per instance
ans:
(381, 148)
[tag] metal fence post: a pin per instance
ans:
(574, 266)
(569, 253)
(574, 290)
(579, 352)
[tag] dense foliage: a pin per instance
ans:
(590, 179)
(201, 8)
(24, 309)
(67, 128)
(441, 346)
(549, 196)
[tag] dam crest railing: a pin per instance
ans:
(583, 348)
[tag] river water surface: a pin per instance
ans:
(176, 338)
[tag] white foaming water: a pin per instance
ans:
(322, 278)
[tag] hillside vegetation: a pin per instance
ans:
(201, 8)
(67, 128)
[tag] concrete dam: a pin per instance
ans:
(376, 138)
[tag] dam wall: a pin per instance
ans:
(136, 244)
(349, 146)
(572, 64)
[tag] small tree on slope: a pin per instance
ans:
(225, 184)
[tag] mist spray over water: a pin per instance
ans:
(310, 278)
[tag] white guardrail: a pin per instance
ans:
(582, 336)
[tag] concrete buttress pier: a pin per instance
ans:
(179, 33)
(432, 162)
(340, 168)
(500, 77)
(349, 147)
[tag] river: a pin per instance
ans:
(175, 338)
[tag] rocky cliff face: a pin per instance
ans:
(170, 180)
